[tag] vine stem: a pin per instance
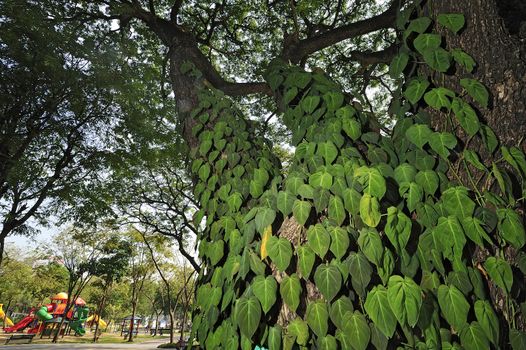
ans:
(454, 172)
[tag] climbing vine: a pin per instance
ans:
(369, 238)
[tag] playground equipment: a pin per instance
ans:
(6, 320)
(47, 317)
(95, 318)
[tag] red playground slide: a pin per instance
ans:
(20, 325)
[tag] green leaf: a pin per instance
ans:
(463, 59)
(418, 25)
(370, 210)
(248, 315)
(327, 343)
(418, 134)
(319, 239)
(397, 228)
(438, 59)
(328, 279)
(442, 142)
(517, 339)
(265, 290)
(415, 89)
(339, 309)
(352, 128)
(487, 319)
(264, 218)
(216, 251)
(336, 210)
(398, 64)
(473, 158)
(310, 103)
(306, 191)
(261, 176)
(453, 305)
(457, 202)
(405, 299)
(500, 272)
(405, 172)
(285, 202)
(292, 184)
(377, 307)
(204, 172)
(274, 337)
(372, 180)
(306, 259)
(360, 271)
(339, 241)
(328, 151)
(472, 337)
(321, 179)
(234, 201)
(476, 90)
(473, 229)
(355, 325)
(301, 211)
(452, 21)
(371, 245)
(351, 200)
(413, 194)
(334, 100)
(428, 180)
(425, 42)
(439, 98)
(490, 139)
(280, 251)
(299, 329)
(290, 290)
(510, 227)
(450, 236)
(317, 318)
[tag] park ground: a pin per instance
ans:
(107, 341)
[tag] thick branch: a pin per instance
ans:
(295, 52)
(370, 58)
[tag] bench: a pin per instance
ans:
(20, 339)
(159, 331)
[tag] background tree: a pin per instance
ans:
(111, 268)
(53, 100)
(80, 258)
(140, 270)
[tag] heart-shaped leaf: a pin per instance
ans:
(248, 315)
(265, 290)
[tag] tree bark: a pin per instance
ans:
(132, 322)
(491, 38)
(501, 64)
(99, 314)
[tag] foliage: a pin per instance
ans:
(57, 92)
(386, 229)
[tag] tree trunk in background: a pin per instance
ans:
(495, 44)
(132, 321)
(99, 314)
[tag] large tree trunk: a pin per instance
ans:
(492, 37)
(501, 60)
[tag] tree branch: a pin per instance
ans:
(370, 58)
(295, 52)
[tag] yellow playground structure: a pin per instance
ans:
(5, 320)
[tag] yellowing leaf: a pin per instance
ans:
(266, 235)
